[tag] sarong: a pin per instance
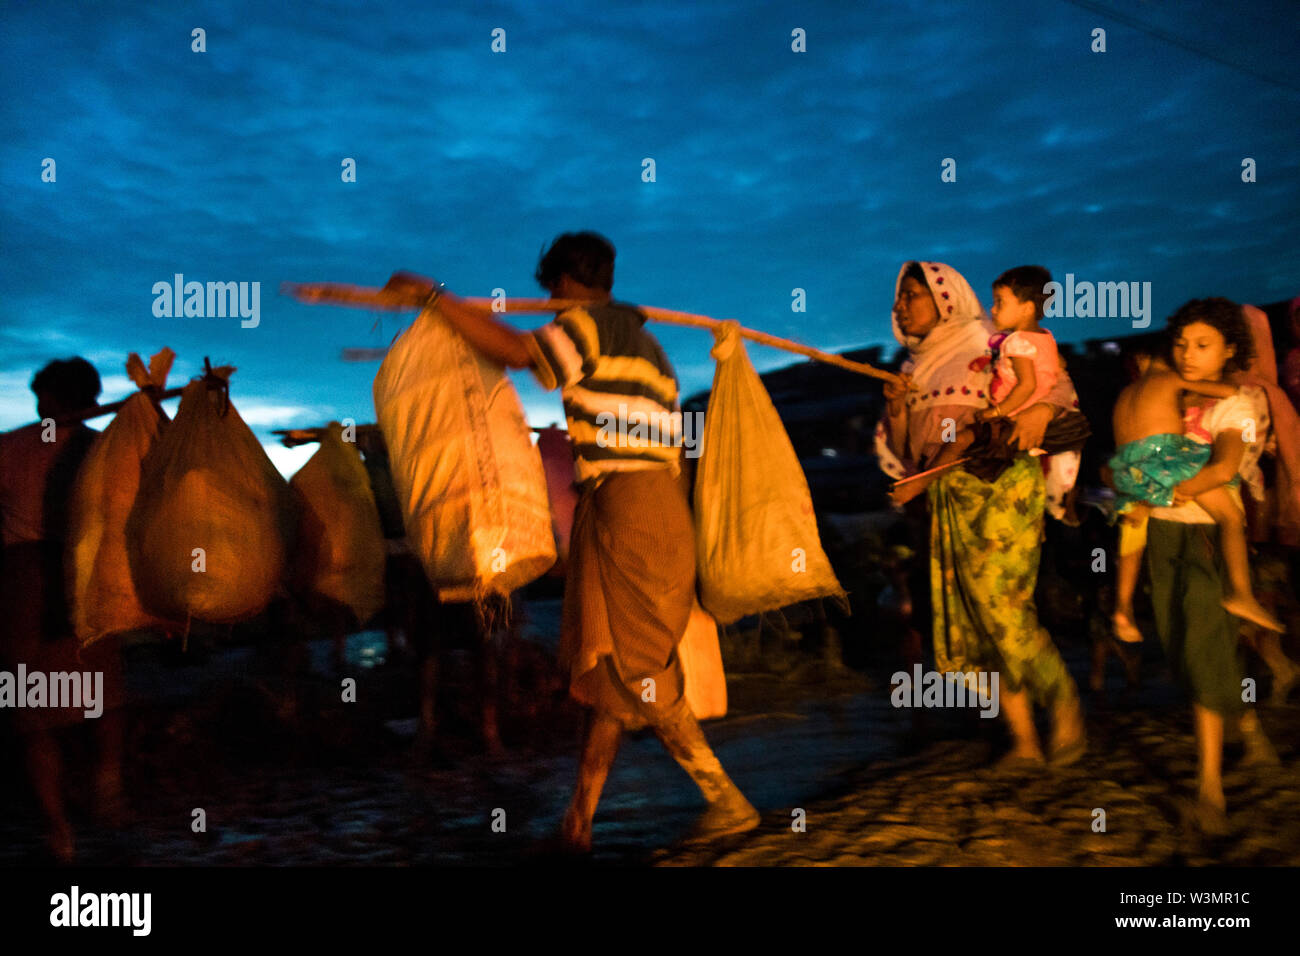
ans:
(1198, 635)
(628, 595)
(984, 551)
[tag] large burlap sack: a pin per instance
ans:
(467, 475)
(339, 552)
(757, 546)
(101, 592)
(701, 657)
(212, 523)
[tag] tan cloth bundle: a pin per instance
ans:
(212, 523)
(340, 550)
(757, 545)
(701, 657)
(101, 592)
(467, 475)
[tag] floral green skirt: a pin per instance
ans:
(984, 550)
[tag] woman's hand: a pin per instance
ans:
(904, 493)
(1181, 497)
(988, 414)
(1029, 426)
(894, 392)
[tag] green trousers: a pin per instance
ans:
(1200, 638)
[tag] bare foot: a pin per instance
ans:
(61, 843)
(421, 752)
(1259, 749)
(1125, 630)
(724, 818)
(1249, 609)
(1282, 685)
(493, 748)
(1097, 676)
(110, 801)
(1132, 660)
(1020, 761)
(1212, 796)
(575, 835)
(1069, 740)
(1210, 817)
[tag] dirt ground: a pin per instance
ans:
(337, 783)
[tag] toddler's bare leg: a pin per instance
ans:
(1240, 600)
(1128, 567)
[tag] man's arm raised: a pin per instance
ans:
(501, 343)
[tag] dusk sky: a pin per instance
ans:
(774, 169)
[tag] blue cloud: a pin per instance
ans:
(775, 170)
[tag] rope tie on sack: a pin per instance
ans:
(217, 380)
(726, 336)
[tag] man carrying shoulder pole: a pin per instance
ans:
(630, 584)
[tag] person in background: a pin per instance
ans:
(1291, 364)
(1274, 514)
(1283, 521)
(38, 466)
(630, 581)
(1184, 557)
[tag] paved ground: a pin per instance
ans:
(338, 786)
(943, 806)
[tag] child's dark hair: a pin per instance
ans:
(1150, 345)
(72, 382)
(586, 257)
(1027, 284)
(1224, 315)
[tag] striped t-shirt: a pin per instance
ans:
(618, 388)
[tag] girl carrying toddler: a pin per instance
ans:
(1158, 464)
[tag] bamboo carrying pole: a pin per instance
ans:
(952, 464)
(292, 437)
(95, 411)
(404, 293)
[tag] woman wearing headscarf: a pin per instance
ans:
(984, 536)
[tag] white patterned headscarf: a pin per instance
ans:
(950, 366)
